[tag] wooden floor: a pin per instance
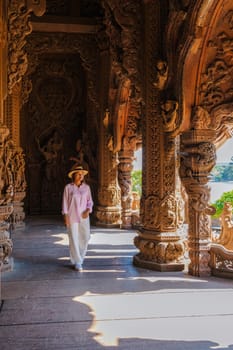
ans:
(111, 304)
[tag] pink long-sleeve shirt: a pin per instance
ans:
(76, 200)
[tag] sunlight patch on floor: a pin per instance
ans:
(153, 279)
(63, 239)
(191, 316)
(112, 239)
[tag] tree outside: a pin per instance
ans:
(219, 203)
(137, 181)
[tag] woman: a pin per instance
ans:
(77, 204)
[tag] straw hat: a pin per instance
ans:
(77, 169)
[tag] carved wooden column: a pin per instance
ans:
(6, 207)
(18, 28)
(12, 120)
(125, 167)
(3, 57)
(197, 159)
(108, 211)
(159, 240)
(6, 197)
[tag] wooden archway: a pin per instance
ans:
(206, 71)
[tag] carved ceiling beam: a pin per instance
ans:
(63, 27)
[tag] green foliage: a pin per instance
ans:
(218, 204)
(136, 176)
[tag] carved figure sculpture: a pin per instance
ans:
(119, 98)
(226, 236)
(51, 147)
(161, 74)
(169, 111)
(221, 248)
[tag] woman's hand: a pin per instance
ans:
(85, 214)
(66, 220)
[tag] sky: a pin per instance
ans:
(224, 154)
(137, 164)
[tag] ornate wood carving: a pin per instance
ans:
(56, 115)
(198, 157)
(18, 28)
(125, 168)
(6, 244)
(159, 239)
(6, 195)
(226, 235)
(221, 248)
(83, 44)
(108, 211)
(123, 21)
(210, 121)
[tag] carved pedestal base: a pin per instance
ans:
(126, 219)
(7, 265)
(199, 258)
(18, 215)
(5, 241)
(108, 216)
(138, 261)
(135, 219)
(163, 252)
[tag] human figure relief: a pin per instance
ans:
(19, 181)
(51, 150)
(169, 111)
(161, 74)
(121, 113)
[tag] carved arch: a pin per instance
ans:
(206, 96)
(205, 62)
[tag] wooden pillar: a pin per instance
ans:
(198, 157)
(108, 211)
(125, 168)
(6, 193)
(159, 240)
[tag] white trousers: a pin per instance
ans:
(79, 236)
